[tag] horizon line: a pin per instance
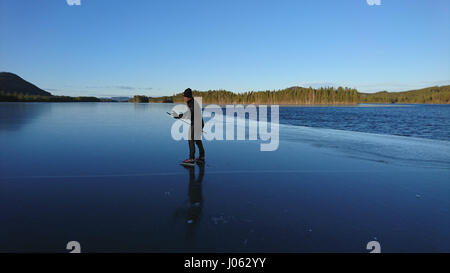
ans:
(392, 90)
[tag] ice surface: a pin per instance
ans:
(410, 151)
(108, 176)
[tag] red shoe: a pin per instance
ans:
(190, 160)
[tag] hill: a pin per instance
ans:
(12, 84)
(435, 94)
(13, 88)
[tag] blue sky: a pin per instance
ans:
(124, 47)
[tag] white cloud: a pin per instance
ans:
(373, 2)
(73, 2)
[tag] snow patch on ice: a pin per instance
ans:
(410, 151)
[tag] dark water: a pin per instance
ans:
(423, 121)
(107, 175)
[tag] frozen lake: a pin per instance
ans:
(107, 175)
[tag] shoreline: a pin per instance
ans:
(371, 104)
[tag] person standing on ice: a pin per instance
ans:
(194, 113)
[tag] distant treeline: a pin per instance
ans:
(8, 97)
(139, 99)
(292, 95)
(329, 95)
(145, 99)
(436, 94)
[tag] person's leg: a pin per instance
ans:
(191, 149)
(200, 148)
